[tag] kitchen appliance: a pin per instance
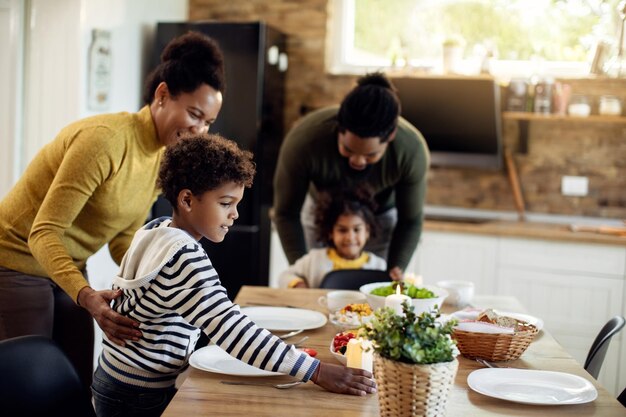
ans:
(252, 115)
(460, 118)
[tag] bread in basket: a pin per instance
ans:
(504, 346)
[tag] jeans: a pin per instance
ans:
(114, 399)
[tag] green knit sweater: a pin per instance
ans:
(93, 184)
(309, 160)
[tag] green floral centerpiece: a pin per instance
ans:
(414, 361)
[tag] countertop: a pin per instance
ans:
(537, 226)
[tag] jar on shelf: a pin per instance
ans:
(543, 96)
(579, 106)
(610, 106)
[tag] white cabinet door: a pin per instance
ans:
(574, 288)
(576, 258)
(457, 256)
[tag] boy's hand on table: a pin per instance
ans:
(114, 325)
(337, 378)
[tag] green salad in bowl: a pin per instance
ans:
(406, 289)
(423, 298)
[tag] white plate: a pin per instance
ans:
(472, 315)
(213, 359)
(285, 319)
(528, 386)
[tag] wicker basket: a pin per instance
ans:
(495, 347)
(413, 390)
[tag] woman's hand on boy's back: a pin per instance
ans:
(337, 378)
(114, 325)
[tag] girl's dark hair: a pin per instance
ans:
(203, 162)
(331, 204)
(187, 62)
(371, 109)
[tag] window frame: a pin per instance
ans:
(340, 52)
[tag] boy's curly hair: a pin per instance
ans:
(203, 162)
(333, 203)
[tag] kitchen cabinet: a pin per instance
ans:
(450, 256)
(574, 287)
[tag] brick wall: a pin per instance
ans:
(555, 148)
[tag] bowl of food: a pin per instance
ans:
(351, 316)
(423, 297)
(339, 345)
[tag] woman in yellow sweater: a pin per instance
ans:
(94, 184)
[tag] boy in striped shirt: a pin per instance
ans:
(169, 285)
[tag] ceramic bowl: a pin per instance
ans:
(340, 358)
(421, 304)
(348, 320)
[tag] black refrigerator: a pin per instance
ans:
(251, 115)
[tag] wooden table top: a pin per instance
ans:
(203, 394)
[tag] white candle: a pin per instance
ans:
(395, 301)
(359, 354)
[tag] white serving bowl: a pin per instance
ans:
(421, 304)
(341, 358)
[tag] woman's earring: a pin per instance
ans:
(161, 103)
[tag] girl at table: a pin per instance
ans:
(345, 221)
(169, 285)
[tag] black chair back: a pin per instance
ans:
(600, 345)
(352, 279)
(37, 379)
(622, 398)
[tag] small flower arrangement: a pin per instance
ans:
(409, 338)
(453, 41)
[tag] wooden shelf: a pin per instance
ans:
(514, 115)
(524, 118)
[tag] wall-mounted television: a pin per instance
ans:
(460, 118)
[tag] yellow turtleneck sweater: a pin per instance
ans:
(93, 184)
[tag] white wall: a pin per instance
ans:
(44, 48)
(11, 67)
(57, 45)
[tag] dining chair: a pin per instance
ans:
(38, 379)
(600, 345)
(622, 398)
(353, 279)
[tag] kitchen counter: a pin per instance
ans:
(547, 227)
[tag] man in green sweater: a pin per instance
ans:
(364, 140)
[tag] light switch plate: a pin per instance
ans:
(574, 186)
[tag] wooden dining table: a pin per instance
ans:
(203, 394)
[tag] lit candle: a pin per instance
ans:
(395, 301)
(359, 354)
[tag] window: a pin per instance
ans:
(506, 37)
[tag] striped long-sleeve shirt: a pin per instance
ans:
(171, 288)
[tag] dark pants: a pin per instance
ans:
(114, 399)
(36, 305)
